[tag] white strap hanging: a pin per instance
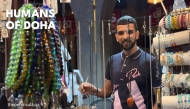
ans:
(65, 1)
(51, 3)
(54, 6)
(47, 2)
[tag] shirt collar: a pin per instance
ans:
(133, 56)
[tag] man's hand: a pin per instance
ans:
(87, 88)
(155, 106)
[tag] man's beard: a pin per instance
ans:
(127, 44)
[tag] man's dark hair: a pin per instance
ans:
(127, 20)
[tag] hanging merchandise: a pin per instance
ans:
(171, 39)
(6, 5)
(65, 1)
(4, 18)
(4, 32)
(3, 13)
(35, 67)
(179, 4)
(53, 4)
(174, 54)
(3, 99)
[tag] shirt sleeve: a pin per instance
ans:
(156, 73)
(108, 67)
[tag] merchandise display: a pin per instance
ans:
(178, 58)
(35, 67)
(37, 73)
(175, 80)
(179, 4)
(170, 41)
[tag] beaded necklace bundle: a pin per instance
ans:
(35, 66)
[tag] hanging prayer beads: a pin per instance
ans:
(15, 54)
(50, 65)
(56, 82)
(57, 39)
(35, 60)
(24, 63)
(28, 86)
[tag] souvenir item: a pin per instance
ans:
(130, 101)
(4, 33)
(3, 13)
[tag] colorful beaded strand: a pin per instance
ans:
(16, 47)
(58, 49)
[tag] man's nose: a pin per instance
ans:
(125, 35)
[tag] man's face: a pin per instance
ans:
(127, 39)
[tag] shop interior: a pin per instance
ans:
(84, 39)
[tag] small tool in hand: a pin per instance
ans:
(85, 96)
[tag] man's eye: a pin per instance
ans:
(120, 33)
(130, 31)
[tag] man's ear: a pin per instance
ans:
(137, 34)
(116, 37)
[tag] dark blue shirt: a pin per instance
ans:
(132, 74)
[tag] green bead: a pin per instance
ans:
(54, 79)
(14, 50)
(21, 26)
(33, 18)
(28, 76)
(29, 91)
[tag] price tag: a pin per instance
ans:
(4, 33)
(3, 15)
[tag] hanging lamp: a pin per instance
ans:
(154, 1)
(158, 1)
